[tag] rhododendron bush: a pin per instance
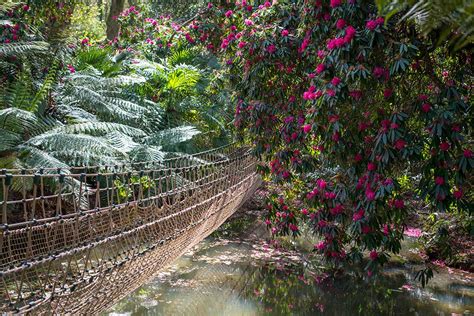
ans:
(340, 104)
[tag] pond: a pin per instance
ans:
(249, 275)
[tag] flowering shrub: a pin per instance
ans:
(341, 103)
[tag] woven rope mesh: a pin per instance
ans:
(78, 240)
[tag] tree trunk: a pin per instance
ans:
(116, 7)
(101, 10)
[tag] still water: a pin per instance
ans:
(251, 276)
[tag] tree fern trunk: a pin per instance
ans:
(116, 7)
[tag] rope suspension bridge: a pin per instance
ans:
(76, 240)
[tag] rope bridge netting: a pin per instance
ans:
(76, 240)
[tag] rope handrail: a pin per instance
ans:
(120, 165)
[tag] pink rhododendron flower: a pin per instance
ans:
(422, 97)
(400, 144)
(358, 215)
(426, 107)
(371, 25)
(307, 128)
(71, 68)
(242, 44)
(350, 33)
(320, 68)
(322, 224)
(370, 195)
(371, 166)
(320, 246)
(373, 255)
(304, 211)
(412, 232)
(336, 210)
(284, 33)
(335, 3)
(356, 94)
(399, 203)
(229, 13)
(439, 180)
(385, 229)
(458, 194)
(444, 146)
(335, 81)
(379, 72)
(224, 43)
(321, 184)
(340, 24)
(467, 153)
(271, 49)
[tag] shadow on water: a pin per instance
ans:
(229, 277)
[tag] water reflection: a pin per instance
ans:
(250, 278)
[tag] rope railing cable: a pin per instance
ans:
(126, 164)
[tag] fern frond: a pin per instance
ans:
(46, 86)
(23, 48)
(23, 122)
(37, 158)
(183, 78)
(9, 140)
(100, 128)
(53, 142)
(172, 136)
(147, 153)
(181, 56)
(120, 141)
